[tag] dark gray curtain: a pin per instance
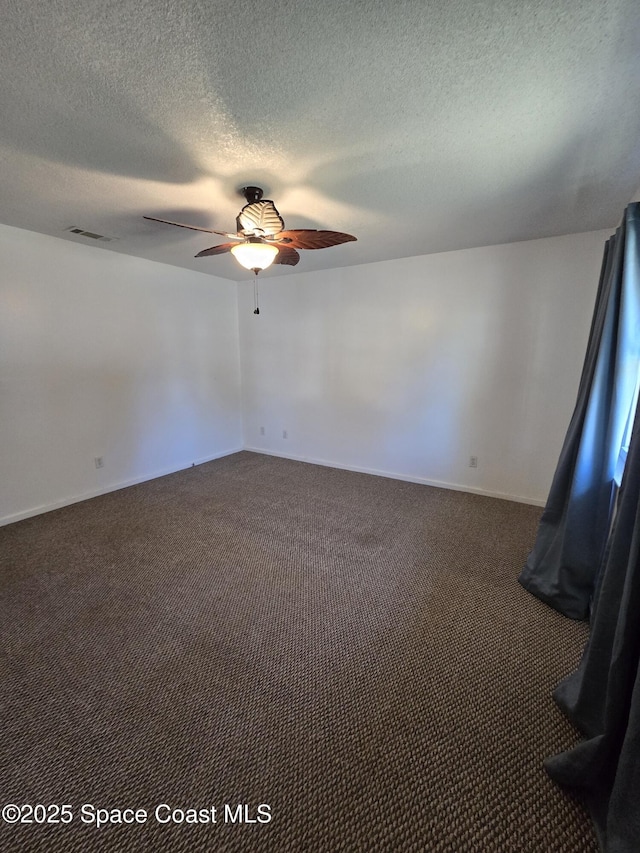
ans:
(563, 564)
(586, 558)
(602, 698)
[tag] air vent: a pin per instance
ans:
(80, 232)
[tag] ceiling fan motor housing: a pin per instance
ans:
(251, 193)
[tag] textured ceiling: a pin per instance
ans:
(417, 126)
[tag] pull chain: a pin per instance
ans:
(256, 309)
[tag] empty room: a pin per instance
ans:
(319, 427)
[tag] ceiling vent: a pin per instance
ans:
(80, 232)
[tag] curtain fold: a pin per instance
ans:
(586, 558)
(602, 697)
(563, 565)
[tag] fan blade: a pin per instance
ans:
(260, 217)
(194, 228)
(287, 255)
(216, 250)
(309, 238)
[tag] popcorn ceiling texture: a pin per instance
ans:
(417, 126)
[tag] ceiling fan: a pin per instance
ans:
(261, 238)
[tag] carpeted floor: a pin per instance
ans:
(350, 651)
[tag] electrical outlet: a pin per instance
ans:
(261, 430)
(284, 433)
(473, 462)
(99, 460)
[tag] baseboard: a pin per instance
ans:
(438, 484)
(112, 487)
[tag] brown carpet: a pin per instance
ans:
(352, 651)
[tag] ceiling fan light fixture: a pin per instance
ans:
(254, 254)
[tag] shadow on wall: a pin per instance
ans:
(189, 406)
(411, 367)
(113, 359)
(364, 382)
(141, 426)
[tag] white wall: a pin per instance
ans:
(409, 367)
(107, 355)
(406, 367)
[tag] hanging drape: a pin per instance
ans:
(563, 564)
(602, 698)
(586, 558)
